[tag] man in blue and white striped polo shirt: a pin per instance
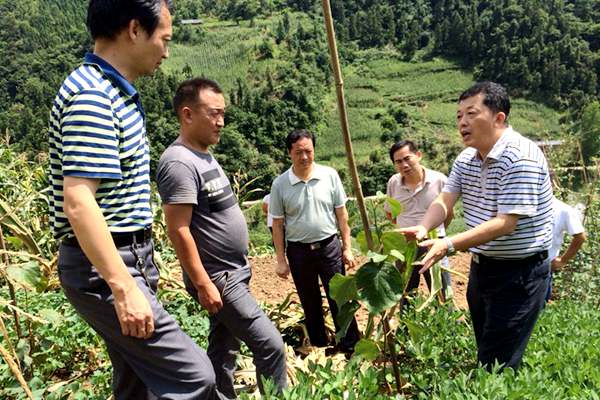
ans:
(507, 198)
(100, 206)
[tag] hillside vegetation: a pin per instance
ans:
(404, 64)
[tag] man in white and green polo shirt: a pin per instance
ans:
(309, 200)
(100, 206)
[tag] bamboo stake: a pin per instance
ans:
(339, 86)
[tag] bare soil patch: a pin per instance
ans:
(269, 288)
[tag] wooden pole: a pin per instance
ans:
(339, 86)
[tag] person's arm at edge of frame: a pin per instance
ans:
(282, 268)
(341, 214)
(576, 242)
(265, 209)
(132, 308)
(178, 218)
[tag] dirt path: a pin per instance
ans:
(267, 287)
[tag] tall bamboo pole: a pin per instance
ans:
(339, 86)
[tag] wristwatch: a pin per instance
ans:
(451, 250)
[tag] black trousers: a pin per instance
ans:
(505, 298)
(307, 265)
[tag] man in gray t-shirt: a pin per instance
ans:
(210, 236)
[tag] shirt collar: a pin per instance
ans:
(499, 146)
(111, 73)
(427, 178)
(316, 174)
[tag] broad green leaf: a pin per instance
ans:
(345, 317)
(367, 349)
(379, 195)
(393, 240)
(410, 253)
(50, 315)
(376, 257)
(432, 234)
(435, 273)
(397, 255)
(395, 206)
(415, 330)
(342, 289)
(406, 274)
(379, 286)
(28, 275)
(362, 241)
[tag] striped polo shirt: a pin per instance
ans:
(97, 131)
(513, 179)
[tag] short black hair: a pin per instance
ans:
(188, 92)
(398, 145)
(495, 96)
(106, 18)
(298, 134)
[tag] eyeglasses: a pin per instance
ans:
(215, 113)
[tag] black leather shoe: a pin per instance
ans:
(338, 348)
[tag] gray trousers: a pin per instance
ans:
(242, 319)
(168, 365)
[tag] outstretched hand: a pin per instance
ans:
(417, 232)
(437, 250)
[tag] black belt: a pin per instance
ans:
(314, 245)
(483, 259)
(120, 239)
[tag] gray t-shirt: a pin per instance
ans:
(218, 225)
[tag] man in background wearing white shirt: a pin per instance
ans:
(566, 219)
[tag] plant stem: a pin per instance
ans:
(15, 370)
(12, 360)
(11, 288)
(394, 357)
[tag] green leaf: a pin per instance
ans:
(367, 349)
(393, 240)
(28, 275)
(395, 206)
(415, 331)
(362, 241)
(410, 253)
(342, 288)
(345, 317)
(379, 286)
(50, 315)
(376, 257)
(397, 255)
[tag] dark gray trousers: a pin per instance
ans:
(241, 319)
(168, 365)
(505, 299)
(307, 266)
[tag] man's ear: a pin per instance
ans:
(500, 119)
(133, 29)
(186, 115)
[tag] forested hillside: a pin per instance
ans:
(405, 62)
